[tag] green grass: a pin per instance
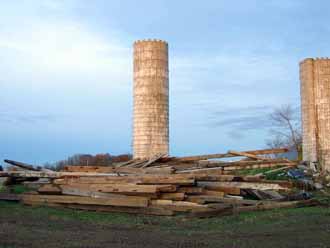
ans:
(244, 222)
(279, 175)
(19, 189)
(14, 189)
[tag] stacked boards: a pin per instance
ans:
(193, 186)
(194, 195)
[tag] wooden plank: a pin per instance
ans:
(125, 163)
(218, 164)
(227, 210)
(127, 189)
(137, 179)
(217, 187)
(129, 210)
(243, 185)
(246, 154)
(202, 199)
(119, 201)
(21, 165)
(202, 171)
(214, 193)
(256, 166)
(137, 163)
(228, 178)
(172, 196)
(126, 170)
(226, 155)
(152, 160)
(236, 202)
(220, 210)
(9, 197)
(264, 194)
(283, 183)
(160, 170)
(168, 181)
(71, 190)
(43, 174)
(277, 205)
(191, 190)
(275, 170)
(131, 188)
(178, 206)
(49, 189)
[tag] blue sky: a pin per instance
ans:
(66, 71)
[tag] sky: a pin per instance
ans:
(66, 71)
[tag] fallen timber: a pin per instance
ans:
(228, 155)
(194, 186)
(21, 165)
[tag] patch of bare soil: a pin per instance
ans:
(31, 230)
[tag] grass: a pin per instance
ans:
(278, 175)
(244, 222)
(14, 189)
(26, 226)
(19, 189)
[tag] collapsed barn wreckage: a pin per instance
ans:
(200, 186)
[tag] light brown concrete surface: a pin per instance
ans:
(315, 104)
(151, 99)
(308, 110)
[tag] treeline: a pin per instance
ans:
(87, 159)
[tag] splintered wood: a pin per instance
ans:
(194, 185)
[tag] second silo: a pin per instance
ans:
(151, 99)
(308, 110)
(315, 94)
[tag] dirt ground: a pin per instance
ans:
(22, 226)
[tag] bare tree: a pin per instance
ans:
(286, 130)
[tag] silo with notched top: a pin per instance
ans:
(151, 99)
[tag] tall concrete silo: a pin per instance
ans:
(308, 115)
(151, 99)
(315, 94)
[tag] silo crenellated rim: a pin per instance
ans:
(150, 40)
(314, 59)
(306, 60)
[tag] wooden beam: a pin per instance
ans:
(9, 197)
(172, 196)
(129, 210)
(65, 199)
(202, 199)
(131, 188)
(135, 179)
(191, 190)
(275, 170)
(49, 189)
(21, 165)
(257, 166)
(244, 185)
(124, 170)
(42, 174)
(277, 205)
(226, 155)
(246, 154)
(72, 190)
(178, 206)
(152, 160)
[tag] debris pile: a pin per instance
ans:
(195, 186)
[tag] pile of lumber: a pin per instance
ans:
(252, 160)
(193, 186)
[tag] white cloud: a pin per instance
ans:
(39, 46)
(53, 67)
(65, 48)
